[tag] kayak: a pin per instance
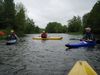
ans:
(81, 44)
(10, 42)
(49, 38)
(82, 68)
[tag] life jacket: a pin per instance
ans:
(12, 36)
(89, 36)
(43, 35)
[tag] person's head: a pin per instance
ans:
(12, 31)
(88, 29)
(43, 31)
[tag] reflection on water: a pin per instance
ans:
(37, 57)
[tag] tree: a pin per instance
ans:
(9, 13)
(54, 27)
(84, 19)
(30, 27)
(1, 14)
(50, 27)
(75, 24)
(37, 29)
(64, 29)
(58, 28)
(92, 19)
(20, 20)
(14, 17)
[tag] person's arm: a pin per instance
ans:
(92, 37)
(84, 38)
(17, 37)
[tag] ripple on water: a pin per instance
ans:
(36, 57)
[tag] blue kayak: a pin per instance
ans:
(10, 42)
(81, 44)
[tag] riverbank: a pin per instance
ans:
(7, 32)
(2, 37)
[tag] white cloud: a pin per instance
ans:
(44, 11)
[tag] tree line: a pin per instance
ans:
(74, 25)
(92, 18)
(13, 16)
(55, 27)
(77, 24)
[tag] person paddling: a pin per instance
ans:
(12, 36)
(88, 36)
(44, 34)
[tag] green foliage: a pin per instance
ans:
(1, 14)
(13, 17)
(64, 29)
(20, 20)
(37, 29)
(50, 27)
(93, 19)
(85, 18)
(9, 13)
(30, 27)
(74, 25)
(54, 27)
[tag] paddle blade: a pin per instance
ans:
(98, 41)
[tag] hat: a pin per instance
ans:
(12, 31)
(43, 31)
(88, 29)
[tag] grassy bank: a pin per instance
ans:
(3, 37)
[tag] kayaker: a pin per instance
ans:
(88, 36)
(44, 34)
(12, 36)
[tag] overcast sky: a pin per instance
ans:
(44, 11)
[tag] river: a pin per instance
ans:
(36, 57)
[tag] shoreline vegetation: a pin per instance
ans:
(75, 33)
(13, 16)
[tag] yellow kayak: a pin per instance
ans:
(49, 38)
(82, 68)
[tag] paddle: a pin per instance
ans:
(74, 38)
(97, 41)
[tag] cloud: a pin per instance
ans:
(44, 11)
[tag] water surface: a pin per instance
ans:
(36, 57)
